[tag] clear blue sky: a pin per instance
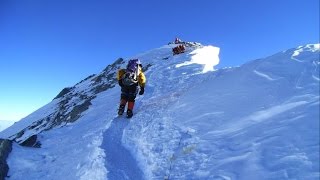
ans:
(46, 45)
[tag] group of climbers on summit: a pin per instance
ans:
(180, 48)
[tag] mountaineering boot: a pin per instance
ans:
(121, 109)
(129, 113)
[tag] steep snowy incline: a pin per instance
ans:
(258, 121)
(74, 129)
(120, 162)
(71, 151)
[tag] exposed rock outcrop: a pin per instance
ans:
(31, 142)
(5, 149)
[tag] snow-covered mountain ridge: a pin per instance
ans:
(5, 124)
(256, 121)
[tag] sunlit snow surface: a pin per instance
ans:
(256, 121)
(207, 56)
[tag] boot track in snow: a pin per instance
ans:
(119, 161)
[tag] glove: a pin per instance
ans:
(141, 91)
(120, 83)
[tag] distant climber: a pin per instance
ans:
(129, 79)
(178, 49)
(177, 41)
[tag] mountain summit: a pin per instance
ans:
(256, 121)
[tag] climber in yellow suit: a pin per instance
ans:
(129, 79)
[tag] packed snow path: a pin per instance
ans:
(119, 161)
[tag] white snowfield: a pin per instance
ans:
(256, 121)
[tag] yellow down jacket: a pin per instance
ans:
(141, 77)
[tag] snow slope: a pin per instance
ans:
(256, 121)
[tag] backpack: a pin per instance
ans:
(130, 77)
